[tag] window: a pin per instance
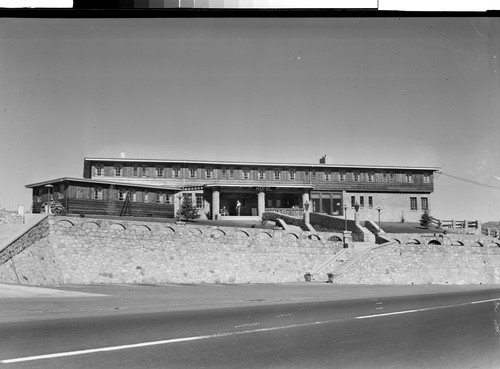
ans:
(306, 175)
(427, 178)
(384, 177)
(361, 201)
(291, 175)
(208, 173)
(413, 203)
(391, 177)
(144, 171)
(246, 174)
(118, 171)
(96, 193)
(353, 201)
(231, 173)
(199, 201)
(135, 171)
(370, 202)
(146, 197)
(313, 174)
(159, 198)
(356, 177)
(132, 196)
(168, 199)
(176, 172)
(341, 176)
(98, 170)
(262, 174)
(192, 173)
(159, 172)
(121, 195)
(223, 174)
(425, 203)
(327, 176)
(409, 178)
(370, 177)
(277, 174)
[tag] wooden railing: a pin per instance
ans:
(456, 224)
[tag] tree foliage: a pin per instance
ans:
(187, 211)
(425, 219)
(111, 198)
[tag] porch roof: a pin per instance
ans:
(249, 185)
(100, 182)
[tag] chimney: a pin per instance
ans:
(325, 160)
(122, 155)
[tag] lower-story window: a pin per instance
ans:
(199, 200)
(413, 203)
(370, 202)
(425, 203)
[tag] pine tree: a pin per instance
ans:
(425, 219)
(187, 210)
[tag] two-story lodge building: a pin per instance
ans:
(151, 187)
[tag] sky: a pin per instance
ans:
(365, 91)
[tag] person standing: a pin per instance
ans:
(238, 207)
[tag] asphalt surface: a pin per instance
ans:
(303, 325)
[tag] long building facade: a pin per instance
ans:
(156, 187)
(216, 186)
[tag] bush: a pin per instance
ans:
(425, 219)
(187, 210)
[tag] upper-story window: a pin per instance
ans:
(307, 175)
(176, 172)
(313, 175)
(291, 175)
(246, 174)
(370, 177)
(208, 173)
(192, 173)
(391, 177)
(341, 176)
(262, 174)
(135, 171)
(223, 174)
(277, 174)
(384, 177)
(231, 173)
(356, 177)
(159, 172)
(98, 170)
(328, 176)
(144, 172)
(408, 178)
(118, 171)
(427, 178)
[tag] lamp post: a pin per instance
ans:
(378, 235)
(345, 224)
(48, 187)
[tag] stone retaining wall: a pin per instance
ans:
(10, 217)
(425, 264)
(88, 251)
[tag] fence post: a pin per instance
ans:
(453, 223)
(466, 224)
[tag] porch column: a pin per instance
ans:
(261, 203)
(305, 199)
(215, 204)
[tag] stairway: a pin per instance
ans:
(343, 260)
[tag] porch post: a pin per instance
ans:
(305, 199)
(261, 203)
(215, 204)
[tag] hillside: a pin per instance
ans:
(491, 224)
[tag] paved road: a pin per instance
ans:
(440, 329)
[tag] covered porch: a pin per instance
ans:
(254, 200)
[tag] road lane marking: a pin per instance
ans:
(424, 309)
(226, 334)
